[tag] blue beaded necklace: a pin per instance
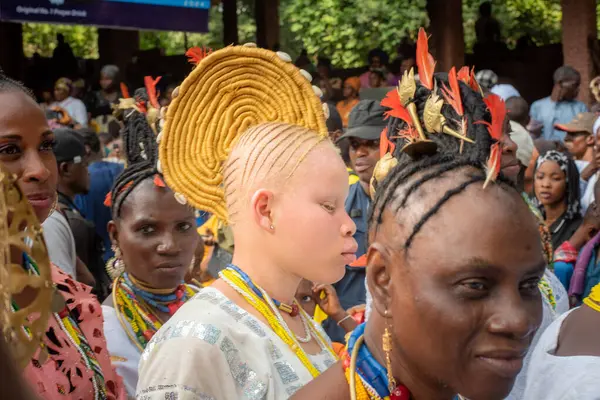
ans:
(293, 309)
(367, 366)
(158, 301)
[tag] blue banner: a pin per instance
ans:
(171, 15)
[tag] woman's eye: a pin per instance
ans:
(47, 145)
(328, 207)
(10, 149)
(531, 285)
(475, 285)
(184, 226)
(306, 299)
(147, 229)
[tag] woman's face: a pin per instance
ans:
(464, 302)
(313, 230)
(26, 150)
(550, 183)
(156, 234)
(106, 82)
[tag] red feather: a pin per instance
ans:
(151, 89)
(493, 164)
(142, 107)
(124, 91)
(425, 61)
(498, 111)
(158, 181)
(464, 75)
(385, 145)
(452, 95)
(409, 134)
(397, 110)
(473, 82)
(108, 200)
(196, 54)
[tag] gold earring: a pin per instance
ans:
(387, 348)
(115, 266)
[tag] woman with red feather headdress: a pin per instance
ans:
(455, 265)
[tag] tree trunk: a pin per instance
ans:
(230, 22)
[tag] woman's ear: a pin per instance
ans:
(113, 232)
(379, 277)
(262, 209)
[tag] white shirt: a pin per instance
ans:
(587, 197)
(75, 108)
(561, 378)
(60, 243)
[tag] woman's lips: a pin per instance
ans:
(40, 200)
(504, 367)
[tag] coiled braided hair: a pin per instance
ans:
(471, 161)
(141, 152)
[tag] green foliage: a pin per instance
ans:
(539, 19)
(178, 42)
(345, 30)
(41, 38)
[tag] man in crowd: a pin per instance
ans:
(70, 245)
(580, 141)
(102, 176)
(364, 129)
(561, 106)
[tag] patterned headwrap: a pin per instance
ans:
(572, 195)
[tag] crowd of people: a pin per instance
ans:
(257, 234)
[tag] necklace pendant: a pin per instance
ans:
(295, 310)
(400, 393)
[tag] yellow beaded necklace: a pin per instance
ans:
(270, 313)
(593, 299)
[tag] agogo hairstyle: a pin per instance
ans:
(241, 98)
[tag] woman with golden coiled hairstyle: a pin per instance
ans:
(245, 138)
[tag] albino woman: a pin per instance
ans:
(245, 138)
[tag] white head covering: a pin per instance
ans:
(524, 143)
(596, 126)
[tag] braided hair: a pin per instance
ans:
(448, 157)
(141, 152)
(7, 84)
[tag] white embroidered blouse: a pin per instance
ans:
(213, 349)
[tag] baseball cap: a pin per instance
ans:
(366, 121)
(583, 122)
(68, 146)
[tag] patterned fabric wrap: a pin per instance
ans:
(64, 374)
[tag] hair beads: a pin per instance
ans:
(230, 91)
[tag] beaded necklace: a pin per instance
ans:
(267, 308)
(136, 307)
(292, 309)
(366, 377)
(593, 299)
(69, 325)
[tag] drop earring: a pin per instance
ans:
(387, 349)
(115, 266)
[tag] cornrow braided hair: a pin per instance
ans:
(451, 155)
(7, 84)
(229, 92)
(141, 152)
